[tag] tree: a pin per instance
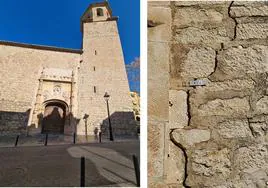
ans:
(133, 72)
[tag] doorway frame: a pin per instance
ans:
(56, 101)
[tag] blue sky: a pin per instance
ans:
(57, 23)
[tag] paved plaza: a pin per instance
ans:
(107, 165)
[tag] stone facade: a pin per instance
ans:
(207, 96)
(35, 77)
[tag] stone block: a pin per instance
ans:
(202, 18)
(236, 107)
(221, 90)
(163, 3)
(175, 163)
(262, 105)
(178, 115)
(200, 63)
(240, 62)
(233, 129)
(161, 19)
(158, 80)
(243, 9)
(250, 159)
(156, 136)
(210, 38)
(259, 129)
(212, 163)
(252, 31)
(199, 3)
(188, 138)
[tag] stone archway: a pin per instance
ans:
(54, 116)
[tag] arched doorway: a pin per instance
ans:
(54, 117)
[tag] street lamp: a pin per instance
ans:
(106, 98)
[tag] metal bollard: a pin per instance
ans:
(137, 169)
(82, 175)
(100, 137)
(17, 139)
(46, 140)
(74, 137)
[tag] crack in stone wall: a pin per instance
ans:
(188, 108)
(183, 149)
(236, 23)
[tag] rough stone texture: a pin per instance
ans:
(239, 62)
(200, 63)
(234, 129)
(190, 137)
(158, 52)
(224, 142)
(252, 31)
(262, 105)
(178, 117)
(251, 159)
(156, 136)
(235, 107)
(243, 9)
(32, 75)
(159, 35)
(210, 163)
(174, 163)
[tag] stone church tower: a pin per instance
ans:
(56, 90)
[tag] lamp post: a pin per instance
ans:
(85, 118)
(106, 98)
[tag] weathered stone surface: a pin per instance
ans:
(212, 163)
(242, 9)
(240, 62)
(225, 44)
(255, 20)
(251, 159)
(190, 137)
(158, 58)
(221, 90)
(252, 31)
(200, 62)
(211, 38)
(259, 129)
(234, 129)
(186, 17)
(156, 135)
(200, 3)
(175, 163)
(262, 106)
(235, 107)
(178, 115)
(161, 17)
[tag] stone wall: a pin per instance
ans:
(215, 134)
(31, 75)
(20, 73)
(103, 68)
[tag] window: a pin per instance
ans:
(95, 89)
(99, 12)
(94, 68)
(95, 52)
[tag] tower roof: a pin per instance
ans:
(105, 3)
(90, 14)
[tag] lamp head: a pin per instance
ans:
(106, 96)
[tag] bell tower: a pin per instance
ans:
(97, 12)
(102, 70)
